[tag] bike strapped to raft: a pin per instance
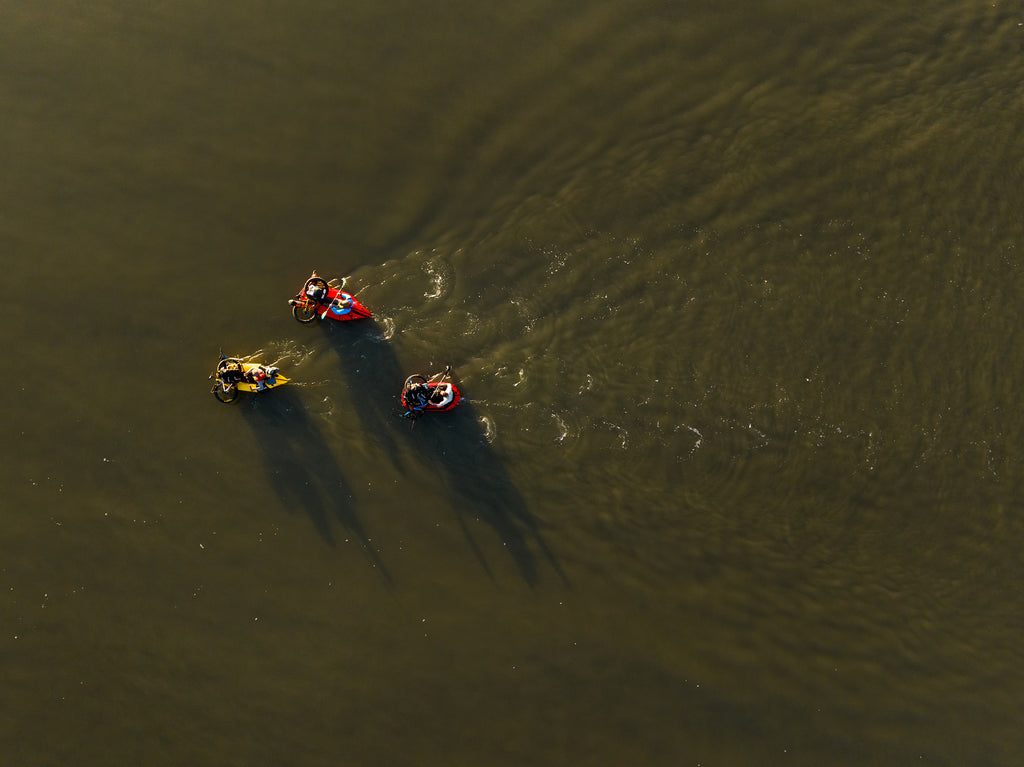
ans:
(234, 375)
(326, 299)
(320, 298)
(420, 395)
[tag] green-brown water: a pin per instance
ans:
(733, 292)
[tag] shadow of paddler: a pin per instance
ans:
(302, 469)
(481, 489)
(369, 364)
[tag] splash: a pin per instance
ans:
(621, 431)
(440, 277)
(489, 429)
(285, 352)
(562, 427)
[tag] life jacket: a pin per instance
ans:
(342, 304)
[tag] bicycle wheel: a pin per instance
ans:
(320, 282)
(225, 395)
(304, 311)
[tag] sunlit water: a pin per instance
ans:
(732, 294)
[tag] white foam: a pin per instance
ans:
(562, 427)
(490, 430)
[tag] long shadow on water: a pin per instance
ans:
(370, 367)
(481, 488)
(454, 443)
(302, 468)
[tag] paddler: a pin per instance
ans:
(442, 394)
(342, 304)
(257, 377)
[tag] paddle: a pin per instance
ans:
(444, 375)
(339, 288)
(331, 306)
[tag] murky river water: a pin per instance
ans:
(732, 292)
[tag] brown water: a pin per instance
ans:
(733, 295)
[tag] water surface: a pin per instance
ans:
(732, 293)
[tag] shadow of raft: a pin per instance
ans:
(370, 367)
(481, 489)
(302, 468)
(454, 442)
